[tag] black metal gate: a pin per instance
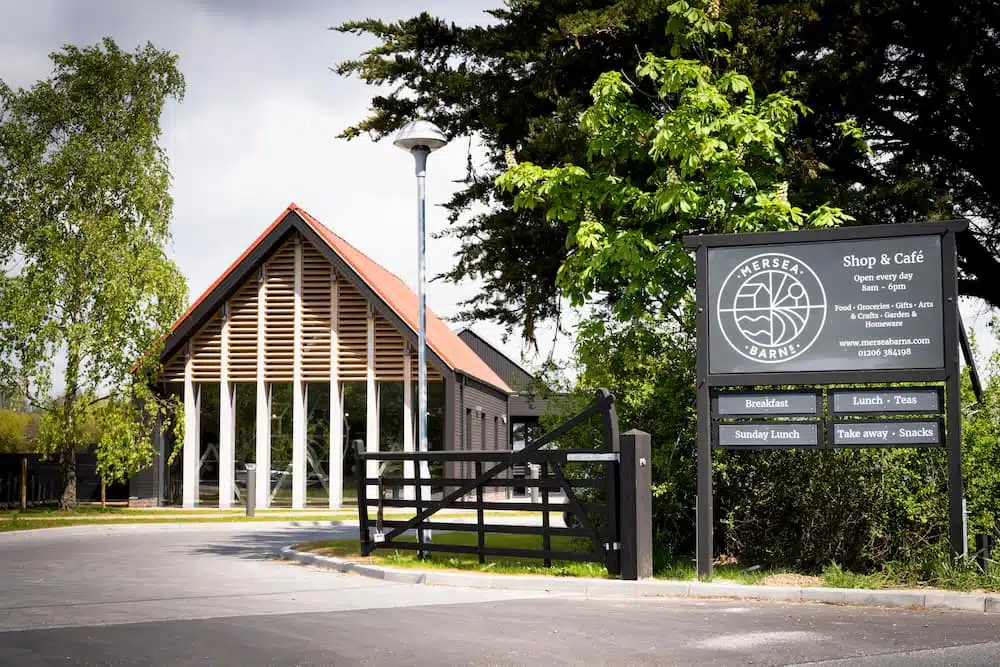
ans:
(596, 517)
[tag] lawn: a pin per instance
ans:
(92, 515)
(448, 561)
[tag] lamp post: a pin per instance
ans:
(420, 138)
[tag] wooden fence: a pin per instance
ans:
(26, 480)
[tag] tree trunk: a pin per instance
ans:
(68, 465)
(67, 450)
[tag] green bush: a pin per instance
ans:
(863, 509)
(18, 431)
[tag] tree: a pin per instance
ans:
(85, 214)
(915, 76)
(707, 158)
(920, 79)
(518, 85)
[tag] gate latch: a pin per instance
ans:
(613, 546)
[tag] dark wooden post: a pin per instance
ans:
(360, 474)
(546, 535)
(480, 519)
(636, 505)
(24, 482)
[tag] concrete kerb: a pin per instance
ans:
(903, 599)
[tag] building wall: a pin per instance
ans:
(481, 424)
(475, 399)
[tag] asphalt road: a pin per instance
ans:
(214, 595)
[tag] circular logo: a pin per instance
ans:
(771, 308)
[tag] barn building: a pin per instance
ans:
(303, 345)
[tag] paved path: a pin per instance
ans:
(213, 595)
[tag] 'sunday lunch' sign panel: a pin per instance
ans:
(872, 304)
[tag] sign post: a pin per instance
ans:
(873, 305)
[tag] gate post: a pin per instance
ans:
(636, 505)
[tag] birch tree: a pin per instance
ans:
(87, 283)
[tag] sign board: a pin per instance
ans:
(886, 401)
(779, 404)
(862, 305)
(826, 306)
(888, 433)
(773, 435)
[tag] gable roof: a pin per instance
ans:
(512, 372)
(390, 295)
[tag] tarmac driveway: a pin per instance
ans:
(213, 594)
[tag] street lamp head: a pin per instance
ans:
(420, 134)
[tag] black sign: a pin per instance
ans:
(887, 433)
(770, 436)
(866, 304)
(764, 404)
(871, 304)
(886, 401)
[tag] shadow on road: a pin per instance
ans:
(265, 544)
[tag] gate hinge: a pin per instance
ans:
(613, 546)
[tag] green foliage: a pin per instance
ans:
(868, 71)
(804, 509)
(981, 446)
(712, 161)
(18, 431)
(835, 576)
(518, 85)
(86, 218)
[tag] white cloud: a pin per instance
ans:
(257, 128)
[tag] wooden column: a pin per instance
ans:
(371, 404)
(298, 392)
(336, 480)
(227, 430)
(192, 435)
(263, 430)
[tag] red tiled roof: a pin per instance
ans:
(390, 289)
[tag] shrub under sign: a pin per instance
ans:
(874, 305)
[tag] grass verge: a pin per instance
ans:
(959, 578)
(446, 561)
(94, 516)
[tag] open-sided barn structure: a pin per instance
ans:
(303, 315)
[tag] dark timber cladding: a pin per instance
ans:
(511, 373)
(864, 305)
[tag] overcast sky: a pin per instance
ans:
(257, 128)
(258, 125)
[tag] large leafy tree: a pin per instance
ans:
(921, 79)
(917, 77)
(85, 216)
